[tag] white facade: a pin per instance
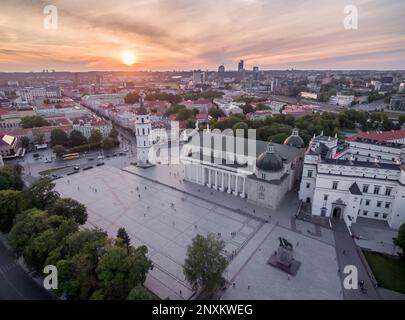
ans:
(309, 95)
(222, 167)
(143, 128)
(86, 128)
(366, 180)
(341, 100)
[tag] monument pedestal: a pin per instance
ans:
(283, 258)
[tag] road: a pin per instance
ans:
(15, 283)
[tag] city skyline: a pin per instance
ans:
(179, 35)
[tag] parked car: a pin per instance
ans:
(76, 168)
(90, 159)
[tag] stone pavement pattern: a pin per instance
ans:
(165, 219)
(157, 216)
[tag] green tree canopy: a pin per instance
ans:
(95, 136)
(400, 240)
(185, 114)
(77, 138)
(68, 208)
(140, 293)
(59, 137)
(216, 112)
(107, 143)
(12, 203)
(33, 122)
(123, 235)
(132, 98)
(120, 270)
(36, 234)
(25, 142)
(39, 138)
(41, 193)
(76, 259)
(10, 178)
(204, 263)
(59, 150)
(114, 133)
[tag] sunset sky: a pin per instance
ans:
(188, 34)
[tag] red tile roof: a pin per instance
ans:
(380, 135)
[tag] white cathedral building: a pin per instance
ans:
(262, 175)
(360, 178)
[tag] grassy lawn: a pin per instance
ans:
(389, 271)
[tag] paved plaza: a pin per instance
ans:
(316, 279)
(166, 216)
(163, 219)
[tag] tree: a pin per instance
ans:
(184, 114)
(204, 263)
(216, 112)
(41, 194)
(59, 150)
(70, 209)
(132, 98)
(76, 259)
(59, 137)
(77, 138)
(39, 138)
(247, 108)
(10, 178)
(114, 133)
(123, 235)
(35, 235)
(173, 109)
(12, 203)
(95, 136)
(140, 293)
(119, 270)
(401, 119)
(25, 142)
(400, 240)
(33, 122)
(107, 143)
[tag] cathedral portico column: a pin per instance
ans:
(223, 182)
(216, 179)
(236, 185)
(229, 182)
(243, 194)
(209, 177)
(203, 176)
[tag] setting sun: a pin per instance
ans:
(128, 58)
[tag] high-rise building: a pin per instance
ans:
(256, 73)
(198, 77)
(241, 66)
(221, 75)
(241, 70)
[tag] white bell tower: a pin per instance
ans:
(143, 130)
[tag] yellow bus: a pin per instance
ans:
(71, 156)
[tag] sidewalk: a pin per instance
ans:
(347, 254)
